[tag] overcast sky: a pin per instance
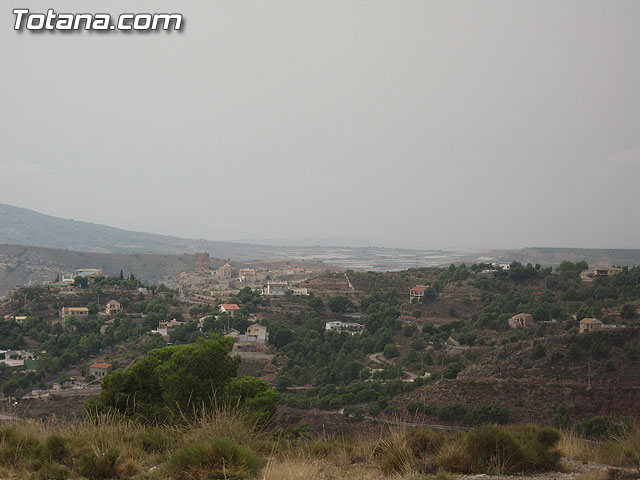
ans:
(407, 123)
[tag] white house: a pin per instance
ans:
(257, 333)
(254, 334)
(229, 308)
(276, 288)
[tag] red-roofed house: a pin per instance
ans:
(230, 308)
(417, 292)
(99, 370)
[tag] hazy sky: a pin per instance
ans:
(408, 123)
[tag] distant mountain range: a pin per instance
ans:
(20, 226)
(26, 227)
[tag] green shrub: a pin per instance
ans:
(539, 352)
(374, 409)
(156, 440)
(599, 427)
(560, 418)
(53, 471)
(54, 449)
(354, 411)
(96, 465)
(452, 413)
(487, 414)
(214, 459)
(16, 447)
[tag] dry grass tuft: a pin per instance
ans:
(575, 447)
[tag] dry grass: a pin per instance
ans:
(576, 448)
(622, 450)
(594, 475)
(326, 469)
(128, 449)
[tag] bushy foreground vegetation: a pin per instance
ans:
(173, 383)
(226, 444)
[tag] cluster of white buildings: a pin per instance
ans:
(70, 278)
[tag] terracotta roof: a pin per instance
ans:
(229, 306)
(420, 288)
(101, 365)
(590, 320)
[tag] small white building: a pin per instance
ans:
(229, 308)
(503, 266)
(299, 292)
(351, 327)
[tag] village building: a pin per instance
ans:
(521, 320)
(202, 262)
(17, 358)
(113, 307)
(338, 326)
(299, 292)
(87, 272)
(503, 266)
(276, 288)
(590, 324)
(606, 271)
(164, 327)
(247, 275)
(99, 370)
(229, 308)
(75, 311)
(257, 334)
(225, 272)
(254, 334)
(417, 292)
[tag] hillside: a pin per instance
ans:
(27, 227)
(555, 256)
(22, 265)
